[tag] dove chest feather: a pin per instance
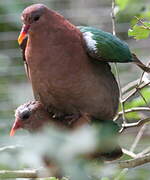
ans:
(63, 75)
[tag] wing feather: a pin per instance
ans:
(23, 47)
(104, 46)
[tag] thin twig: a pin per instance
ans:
(135, 109)
(137, 88)
(120, 90)
(130, 86)
(121, 174)
(141, 78)
(113, 18)
(145, 151)
(134, 83)
(5, 174)
(135, 91)
(135, 124)
(129, 153)
(142, 97)
(5, 148)
(144, 26)
(115, 64)
(133, 155)
(134, 162)
(138, 137)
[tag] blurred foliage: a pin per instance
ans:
(136, 102)
(64, 148)
(130, 8)
(140, 31)
(122, 4)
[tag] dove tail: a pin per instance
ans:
(140, 64)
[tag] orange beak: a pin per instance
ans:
(16, 126)
(23, 33)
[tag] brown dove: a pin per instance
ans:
(64, 77)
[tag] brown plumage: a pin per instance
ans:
(33, 116)
(64, 78)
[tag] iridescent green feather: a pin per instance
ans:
(108, 47)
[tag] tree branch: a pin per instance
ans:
(134, 162)
(143, 97)
(6, 148)
(138, 138)
(143, 25)
(4, 174)
(145, 151)
(136, 109)
(115, 64)
(136, 124)
(135, 91)
(128, 87)
(129, 153)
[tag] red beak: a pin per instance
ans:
(23, 33)
(16, 126)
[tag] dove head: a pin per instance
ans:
(33, 18)
(29, 116)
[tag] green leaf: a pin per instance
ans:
(122, 4)
(137, 102)
(147, 24)
(146, 13)
(51, 178)
(139, 32)
(105, 178)
(132, 115)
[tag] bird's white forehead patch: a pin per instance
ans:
(21, 109)
(90, 42)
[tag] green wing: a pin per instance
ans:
(104, 46)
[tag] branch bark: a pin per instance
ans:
(4, 174)
(135, 109)
(129, 153)
(135, 90)
(134, 162)
(6, 148)
(115, 64)
(138, 137)
(130, 86)
(136, 124)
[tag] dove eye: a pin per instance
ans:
(24, 115)
(36, 18)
